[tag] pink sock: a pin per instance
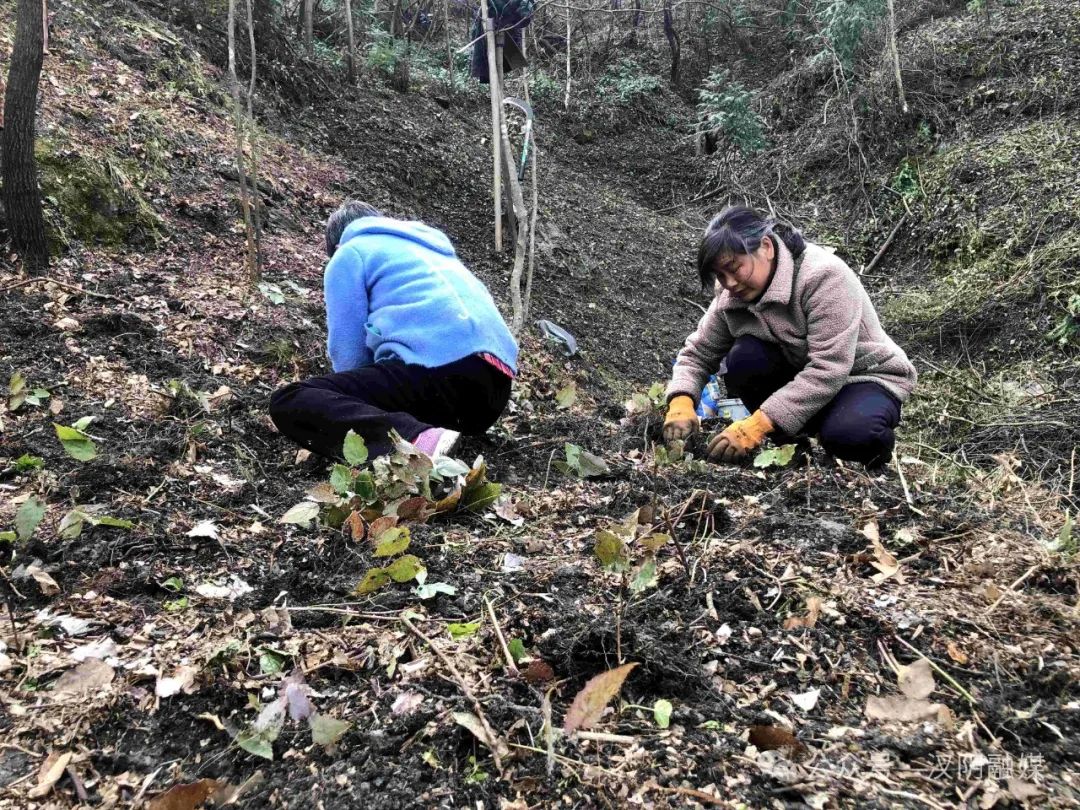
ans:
(427, 441)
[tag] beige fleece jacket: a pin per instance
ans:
(821, 318)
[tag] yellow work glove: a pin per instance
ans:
(734, 443)
(681, 421)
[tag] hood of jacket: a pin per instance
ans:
(417, 232)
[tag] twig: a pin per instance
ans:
(603, 736)
(696, 304)
(14, 627)
(884, 247)
(464, 687)
(510, 665)
(671, 532)
(73, 287)
(700, 795)
(903, 483)
(1011, 588)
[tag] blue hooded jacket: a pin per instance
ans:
(396, 290)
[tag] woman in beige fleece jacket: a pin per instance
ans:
(803, 346)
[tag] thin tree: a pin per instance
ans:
(496, 117)
(238, 116)
(894, 52)
(351, 56)
(21, 196)
(566, 96)
(256, 195)
(673, 41)
(309, 27)
(449, 51)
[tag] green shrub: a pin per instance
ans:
(626, 82)
(727, 107)
(843, 24)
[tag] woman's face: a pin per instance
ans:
(745, 275)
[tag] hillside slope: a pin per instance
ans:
(817, 636)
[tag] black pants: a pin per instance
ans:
(467, 395)
(857, 425)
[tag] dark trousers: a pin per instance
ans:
(467, 395)
(857, 425)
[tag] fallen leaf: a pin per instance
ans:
(180, 681)
(49, 773)
(871, 533)
(297, 696)
(566, 396)
(48, 585)
(539, 672)
(807, 700)
(991, 592)
(326, 730)
(1021, 790)
(904, 709)
(813, 612)
(204, 528)
(506, 508)
(774, 738)
(406, 703)
(302, 514)
(471, 722)
(85, 679)
(105, 648)
(955, 653)
(884, 562)
(662, 713)
(187, 797)
(355, 524)
(417, 509)
(234, 589)
(590, 702)
(917, 680)
(302, 455)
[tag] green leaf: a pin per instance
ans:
(517, 649)
(71, 525)
(567, 396)
(645, 577)
(28, 462)
(77, 444)
(392, 541)
(29, 516)
(611, 551)
(341, 479)
(174, 584)
(355, 451)
(272, 292)
(116, 523)
(405, 568)
(775, 456)
(372, 581)
(271, 662)
(460, 630)
(584, 463)
(662, 713)
(16, 391)
(175, 605)
(325, 730)
(483, 496)
(364, 486)
(8, 537)
(255, 743)
(302, 514)
(83, 423)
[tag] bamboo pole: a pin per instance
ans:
(496, 117)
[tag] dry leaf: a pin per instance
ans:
(991, 593)
(204, 528)
(187, 797)
(406, 703)
(49, 773)
(539, 672)
(302, 456)
(1021, 790)
(589, 703)
(955, 653)
(472, 723)
(355, 524)
(48, 585)
(180, 681)
(905, 710)
(807, 700)
(774, 738)
(885, 563)
(417, 509)
(871, 533)
(380, 525)
(917, 680)
(813, 612)
(85, 679)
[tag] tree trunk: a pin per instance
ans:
(895, 54)
(309, 26)
(22, 198)
(351, 56)
(673, 42)
(238, 114)
(449, 52)
(401, 78)
(253, 135)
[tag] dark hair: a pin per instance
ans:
(340, 219)
(741, 229)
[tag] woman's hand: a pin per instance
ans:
(681, 421)
(736, 442)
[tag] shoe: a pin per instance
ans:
(446, 443)
(436, 442)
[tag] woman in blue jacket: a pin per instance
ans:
(415, 340)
